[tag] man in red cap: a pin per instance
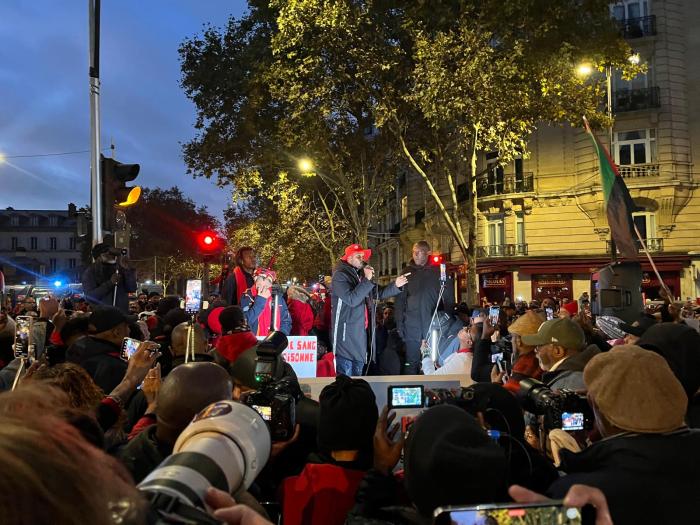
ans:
(352, 290)
(257, 305)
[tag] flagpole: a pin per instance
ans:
(651, 261)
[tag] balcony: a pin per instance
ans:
(637, 27)
(654, 245)
(494, 183)
(638, 171)
(501, 250)
(636, 99)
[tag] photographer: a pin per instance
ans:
(109, 280)
(648, 464)
(257, 303)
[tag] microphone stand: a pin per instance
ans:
(114, 294)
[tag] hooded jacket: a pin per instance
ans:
(414, 308)
(100, 359)
(99, 289)
(300, 310)
(646, 478)
(349, 311)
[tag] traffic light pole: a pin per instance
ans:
(94, 74)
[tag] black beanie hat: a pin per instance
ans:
(230, 318)
(348, 415)
(450, 460)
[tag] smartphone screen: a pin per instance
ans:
(572, 420)
(265, 412)
(129, 347)
(193, 295)
(405, 396)
(494, 313)
(538, 513)
(550, 314)
(23, 325)
(495, 358)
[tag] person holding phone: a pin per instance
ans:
(109, 280)
(257, 305)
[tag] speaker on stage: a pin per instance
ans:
(618, 291)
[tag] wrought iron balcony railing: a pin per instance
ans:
(637, 27)
(494, 183)
(635, 171)
(636, 99)
(501, 250)
(654, 245)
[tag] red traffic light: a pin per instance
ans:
(208, 243)
(437, 259)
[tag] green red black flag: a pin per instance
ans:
(618, 201)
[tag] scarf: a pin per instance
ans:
(241, 283)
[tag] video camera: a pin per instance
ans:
(225, 446)
(561, 409)
(275, 399)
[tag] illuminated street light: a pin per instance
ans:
(634, 59)
(306, 166)
(2, 158)
(584, 69)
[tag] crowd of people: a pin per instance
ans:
(555, 403)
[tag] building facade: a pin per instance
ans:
(39, 246)
(542, 229)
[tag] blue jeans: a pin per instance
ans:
(348, 367)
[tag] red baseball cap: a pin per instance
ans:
(355, 248)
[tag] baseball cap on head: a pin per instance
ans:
(562, 332)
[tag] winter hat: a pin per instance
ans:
(639, 326)
(527, 324)
(636, 390)
(265, 273)
(230, 318)
(348, 415)
(450, 460)
(571, 307)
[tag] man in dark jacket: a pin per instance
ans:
(99, 353)
(648, 464)
(109, 280)
(351, 306)
(414, 308)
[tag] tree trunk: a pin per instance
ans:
(472, 217)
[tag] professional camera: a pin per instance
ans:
(226, 446)
(561, 409)
(275, 399)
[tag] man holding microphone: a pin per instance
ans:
(352, 289)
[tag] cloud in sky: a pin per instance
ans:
(44, 107)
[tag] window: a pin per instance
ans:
(53, 221)
(72, 263)
(496, 231)
(34, 220)
(494, 175)
(519, 229)
(71, 243)
(626, 9)
(33, 243)
(635, 147)
(645, 221)
(404, 208)
(14, 220)
(52, 265)
(52, 243)
(14, 243)
(641, 81)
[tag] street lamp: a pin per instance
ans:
(305, 166)
(585, 69)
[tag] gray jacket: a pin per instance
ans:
(569, 375)
(414, 308)
(350, 303)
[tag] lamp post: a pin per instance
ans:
(584, 70)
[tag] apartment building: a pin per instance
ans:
(39, 245)
(542, 229)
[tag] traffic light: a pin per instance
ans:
(116, 195)
(209, 244)
(437, 259)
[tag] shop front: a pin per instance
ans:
(555, 285)
(651, 284)
(496, 286)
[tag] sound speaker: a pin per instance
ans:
(618, 291)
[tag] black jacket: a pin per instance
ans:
(98, 287)
(414, 308)
(101, 360)
(144, 453)
(229, 290)
(646, 478)
(349, 311)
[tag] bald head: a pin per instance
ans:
(179, 336)
(185, 392)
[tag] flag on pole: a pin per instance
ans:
(618, 201)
